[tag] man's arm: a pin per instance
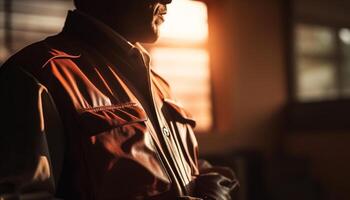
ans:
(29, 125)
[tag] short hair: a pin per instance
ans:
(82, 4)
(77, 3)
(86, 4)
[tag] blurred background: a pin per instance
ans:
(267, 80)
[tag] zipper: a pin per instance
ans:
(178, 146)
(181, 186)
(173, 175)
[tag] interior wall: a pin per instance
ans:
(328, 153)
(248, 73)
(250, 92)
(324, 11)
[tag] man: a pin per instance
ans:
(85, 117)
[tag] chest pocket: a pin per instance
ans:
(100, 119)
(121, 151)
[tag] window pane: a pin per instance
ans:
(33, 20)
(316, 64)
(3, 50)
(186, 21)
(316, 80)
(314, 40)
(187, 71)
(37, 22)
(344, 35)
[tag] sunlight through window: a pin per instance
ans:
(181, 56)
(186, 21)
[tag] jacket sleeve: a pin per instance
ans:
(29, 125)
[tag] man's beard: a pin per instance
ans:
(152, 23)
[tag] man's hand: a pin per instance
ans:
(215, 183)
(214, 186)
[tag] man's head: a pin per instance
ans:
(136, 20)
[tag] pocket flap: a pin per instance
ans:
(104, 118)
(179, 112)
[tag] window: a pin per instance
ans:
(181, 56)
(344, 36)
(322, 62)
(25, 21)
(319, 68)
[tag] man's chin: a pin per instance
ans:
(151, 38)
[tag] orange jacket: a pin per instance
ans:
(86, 118)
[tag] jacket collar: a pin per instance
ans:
(99, 35)
(110, 34)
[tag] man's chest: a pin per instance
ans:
(126, 120)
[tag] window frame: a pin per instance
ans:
(314, 115)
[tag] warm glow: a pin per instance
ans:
(182, 58)
(186, 65)
(186, 21)
(187, 72)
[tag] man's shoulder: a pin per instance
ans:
(33, 58)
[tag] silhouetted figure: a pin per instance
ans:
(84, 116)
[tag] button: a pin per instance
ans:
(166, 132)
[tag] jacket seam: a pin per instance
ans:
(58, 56)
(109, 107)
